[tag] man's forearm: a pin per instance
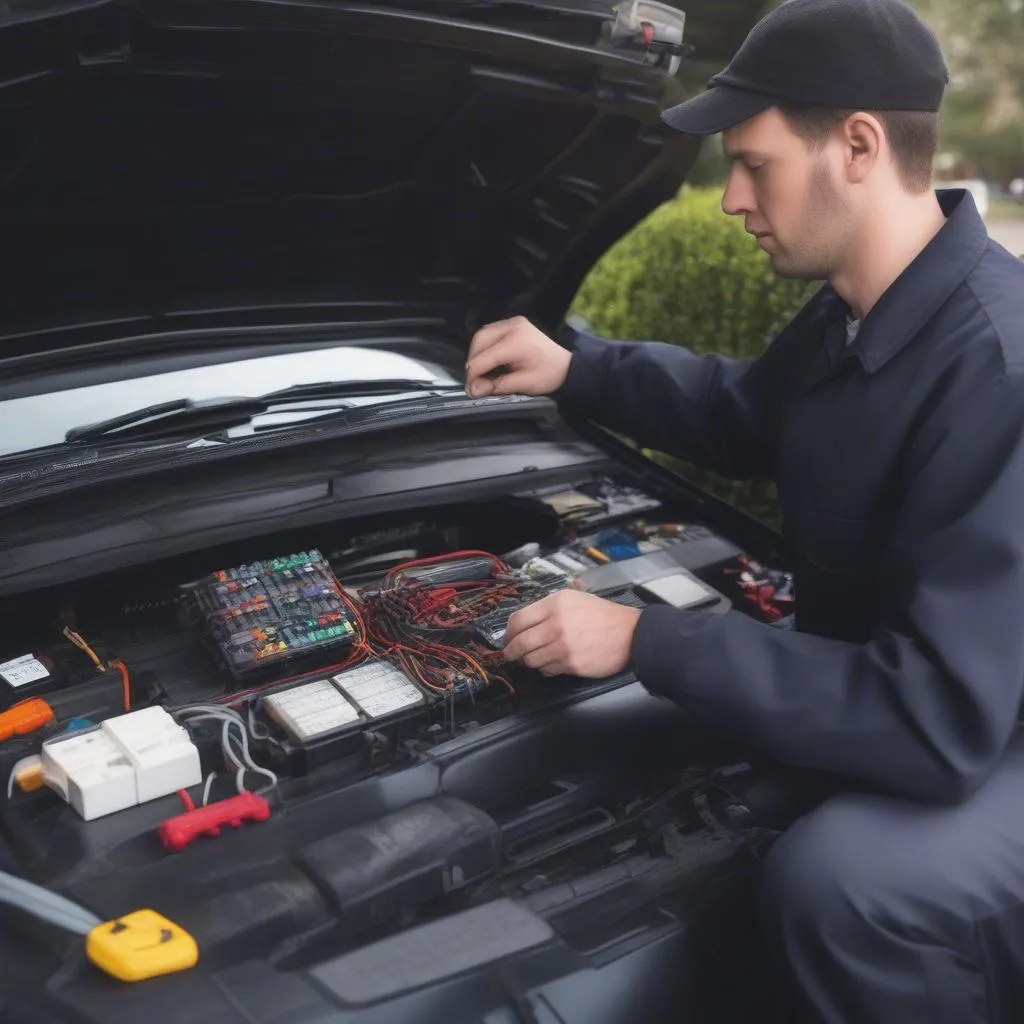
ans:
(665, 397)
(880, 712)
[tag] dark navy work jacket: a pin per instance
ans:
(900, 463)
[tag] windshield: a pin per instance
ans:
(35, 421)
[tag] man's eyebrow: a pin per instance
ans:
(732, 155)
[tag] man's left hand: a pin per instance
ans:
(571, 633)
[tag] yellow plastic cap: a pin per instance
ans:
(140, 945)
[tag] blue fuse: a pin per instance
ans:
(617, 545)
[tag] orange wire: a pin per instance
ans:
(125, 681)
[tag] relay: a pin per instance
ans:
(125, 761)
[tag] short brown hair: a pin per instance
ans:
(913, 136)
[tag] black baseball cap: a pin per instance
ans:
(845, 54)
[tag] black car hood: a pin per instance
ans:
(164, 156)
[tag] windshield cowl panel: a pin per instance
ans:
(41, 420)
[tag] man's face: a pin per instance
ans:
(788, 195)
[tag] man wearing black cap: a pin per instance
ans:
(891, 412)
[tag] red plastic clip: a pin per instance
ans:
(177, 832)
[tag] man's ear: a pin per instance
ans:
(863, 139)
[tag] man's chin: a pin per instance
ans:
(793, 270)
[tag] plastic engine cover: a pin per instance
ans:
(373, 871)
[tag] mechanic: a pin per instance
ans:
(891, 413)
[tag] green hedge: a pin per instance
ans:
(691, 276)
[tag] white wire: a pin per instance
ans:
(263, 732)
(241, 761)
(206, 788)
(248, 762)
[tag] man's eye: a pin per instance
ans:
(754, 168)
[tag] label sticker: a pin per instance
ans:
(24, 670)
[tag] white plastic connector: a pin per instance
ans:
(91, 772)
(122, 762)
(164, 757)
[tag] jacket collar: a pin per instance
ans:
(918, 293)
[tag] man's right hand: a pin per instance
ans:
(512, 357)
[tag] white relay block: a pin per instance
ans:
(164, 757)
(311, 710)
(122, 762)
(379, 688)
(91, 772)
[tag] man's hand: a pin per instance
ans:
(574, 634)
(520, 359)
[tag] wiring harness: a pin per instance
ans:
(423, 617)
(234, 739)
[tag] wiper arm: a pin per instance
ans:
(355, 389)
(170, 419)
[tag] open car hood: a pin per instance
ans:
(166, 156)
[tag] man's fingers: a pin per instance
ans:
(516, 382)
(545, 657)
(526, 641)
(554, 668)
(524, 619)
(487, 336)
(501, 353)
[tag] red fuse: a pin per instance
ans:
(177, 832)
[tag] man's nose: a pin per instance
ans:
(738, 198)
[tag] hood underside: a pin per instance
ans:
(166, 156)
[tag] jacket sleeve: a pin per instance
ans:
(719, 413)
(927, 706)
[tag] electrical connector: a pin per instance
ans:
(122, 762)
(176, 833)
(89, 770)
(164, 757)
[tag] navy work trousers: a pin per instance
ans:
(889, 911)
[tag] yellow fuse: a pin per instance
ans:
(140, 945)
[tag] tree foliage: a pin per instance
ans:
(691, 276)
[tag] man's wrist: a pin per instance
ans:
(583, 384)
(655, 654)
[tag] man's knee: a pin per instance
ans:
(848, 859)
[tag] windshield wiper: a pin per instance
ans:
(196, 417)
(356, 389)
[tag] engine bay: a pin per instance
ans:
(329, 713)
